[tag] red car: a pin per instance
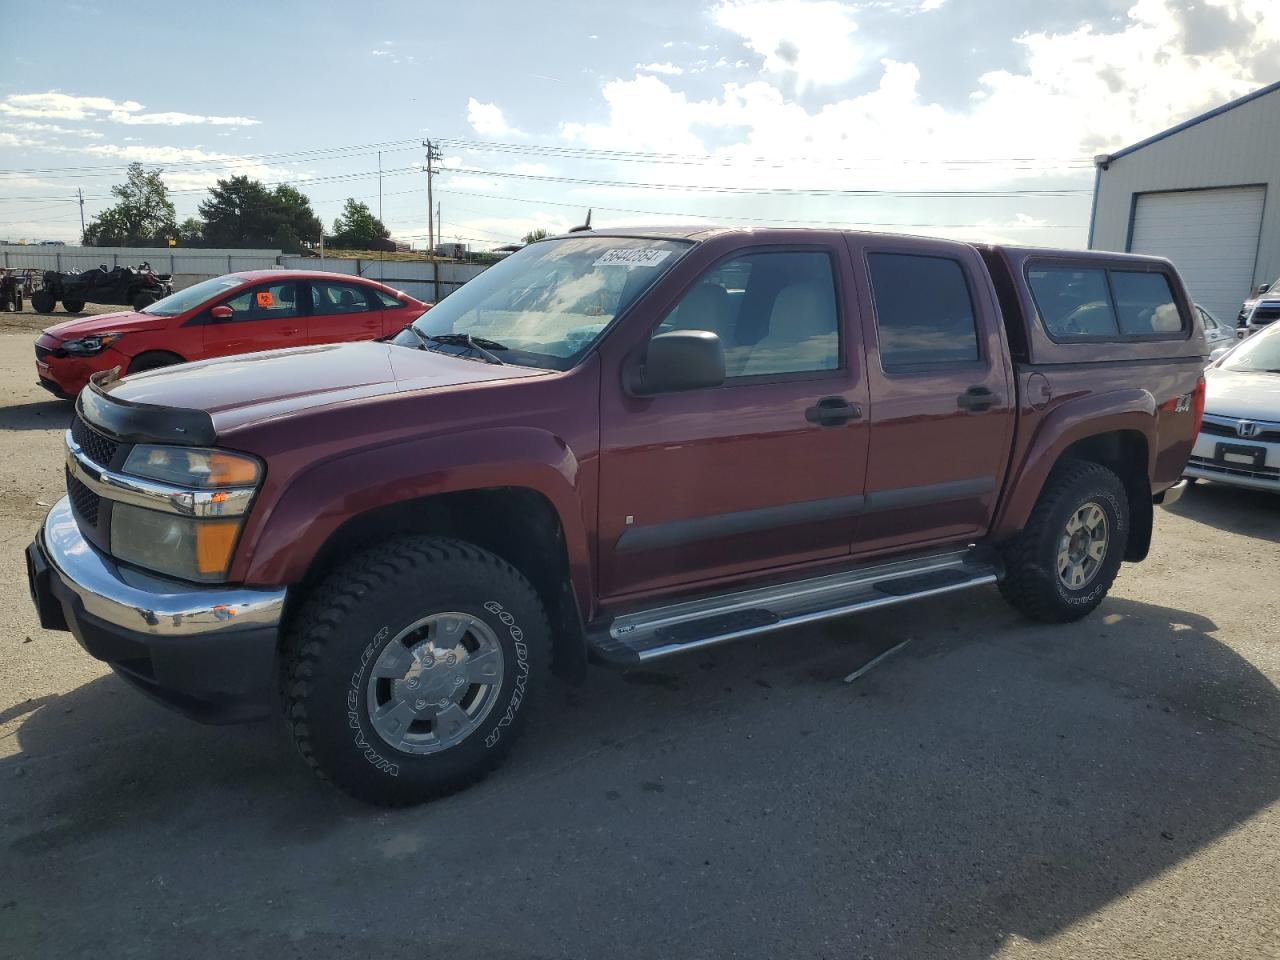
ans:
(237, 313)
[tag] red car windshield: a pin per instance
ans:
(193, 296)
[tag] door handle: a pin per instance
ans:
(290, 331)
(976, 399)
(832, 412)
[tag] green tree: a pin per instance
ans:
(533, 236)
(241, 212)
(358, 229)
(191, 233)
(144, 216)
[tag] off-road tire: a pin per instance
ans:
(153, 360)
(42, 301)
(335, 639)
(143, 300)
(73, 306)
(1031, 583)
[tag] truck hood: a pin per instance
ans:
(252, 387)
(124, 321)
(1242, 394)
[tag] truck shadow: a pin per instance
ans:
(1252, 513)
(993, 779)
(43, 415)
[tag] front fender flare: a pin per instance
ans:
(293, 527)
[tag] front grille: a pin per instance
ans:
(1218, 429)
(1264, 315)
(84, 501)
(1219, 426)
(95, 446)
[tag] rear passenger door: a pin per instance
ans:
(941, 400)
(342, 311)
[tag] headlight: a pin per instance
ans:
(91, 346)
(192, 466)
(197, 547)
(179, 546)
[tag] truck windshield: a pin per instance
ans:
(192, 296)
(546, 304)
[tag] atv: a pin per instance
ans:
(125, 286)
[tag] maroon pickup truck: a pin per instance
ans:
(614, 446)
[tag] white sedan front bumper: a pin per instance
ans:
(1222, 454)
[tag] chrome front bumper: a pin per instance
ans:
(145, 603)
(209, 652)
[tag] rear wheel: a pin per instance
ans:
(73, 306)
(1066, 558)
(143, 300)
(43, 301)
(408, 672)
(153, 360)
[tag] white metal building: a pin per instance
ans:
(1205, 194)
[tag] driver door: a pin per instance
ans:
(266, 316)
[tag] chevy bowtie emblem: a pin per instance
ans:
(1247, 428)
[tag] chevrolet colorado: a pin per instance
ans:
(614, 446)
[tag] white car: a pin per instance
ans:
(1239, 441)
(1216, 333)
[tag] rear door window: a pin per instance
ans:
(329, 298)
(1144, 303)
(924, 311)
(1073, 302)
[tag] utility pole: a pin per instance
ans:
(80, 194)
(432, 156)
(380, 185)
(439, 222)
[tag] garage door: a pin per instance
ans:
(1210, 235)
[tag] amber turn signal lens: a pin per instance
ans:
(228, 470)
(215, 539)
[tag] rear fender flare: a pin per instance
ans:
(1070, 422)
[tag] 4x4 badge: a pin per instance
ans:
(1247, 428)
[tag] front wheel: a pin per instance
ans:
(409, 671)
(43, 301)
(1064, 561)
(143, 300)
(73, 306)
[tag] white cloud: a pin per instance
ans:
(32, 127)
(929, 5)
(1081, 92)
(487, 120)
(810, 40)
(62, 106)
(174, 119)
(670, 69)
(187, 173)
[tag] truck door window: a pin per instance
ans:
(774, 313)
(1144, 303)
(1073, 302)
(924, 311)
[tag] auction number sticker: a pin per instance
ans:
(265, 299)
(632, 257)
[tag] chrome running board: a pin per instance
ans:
(662, 631)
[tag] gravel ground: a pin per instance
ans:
(995, 789)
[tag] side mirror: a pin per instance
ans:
(1218, 353)
(676, 361)
(222, 312)
(1263, 288)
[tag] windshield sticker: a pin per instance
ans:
(632, 258)
(265, 299)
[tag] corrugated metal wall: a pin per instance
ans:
(175, 260)
(422, 279)
(1240, 147)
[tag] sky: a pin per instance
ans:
(974, 119)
